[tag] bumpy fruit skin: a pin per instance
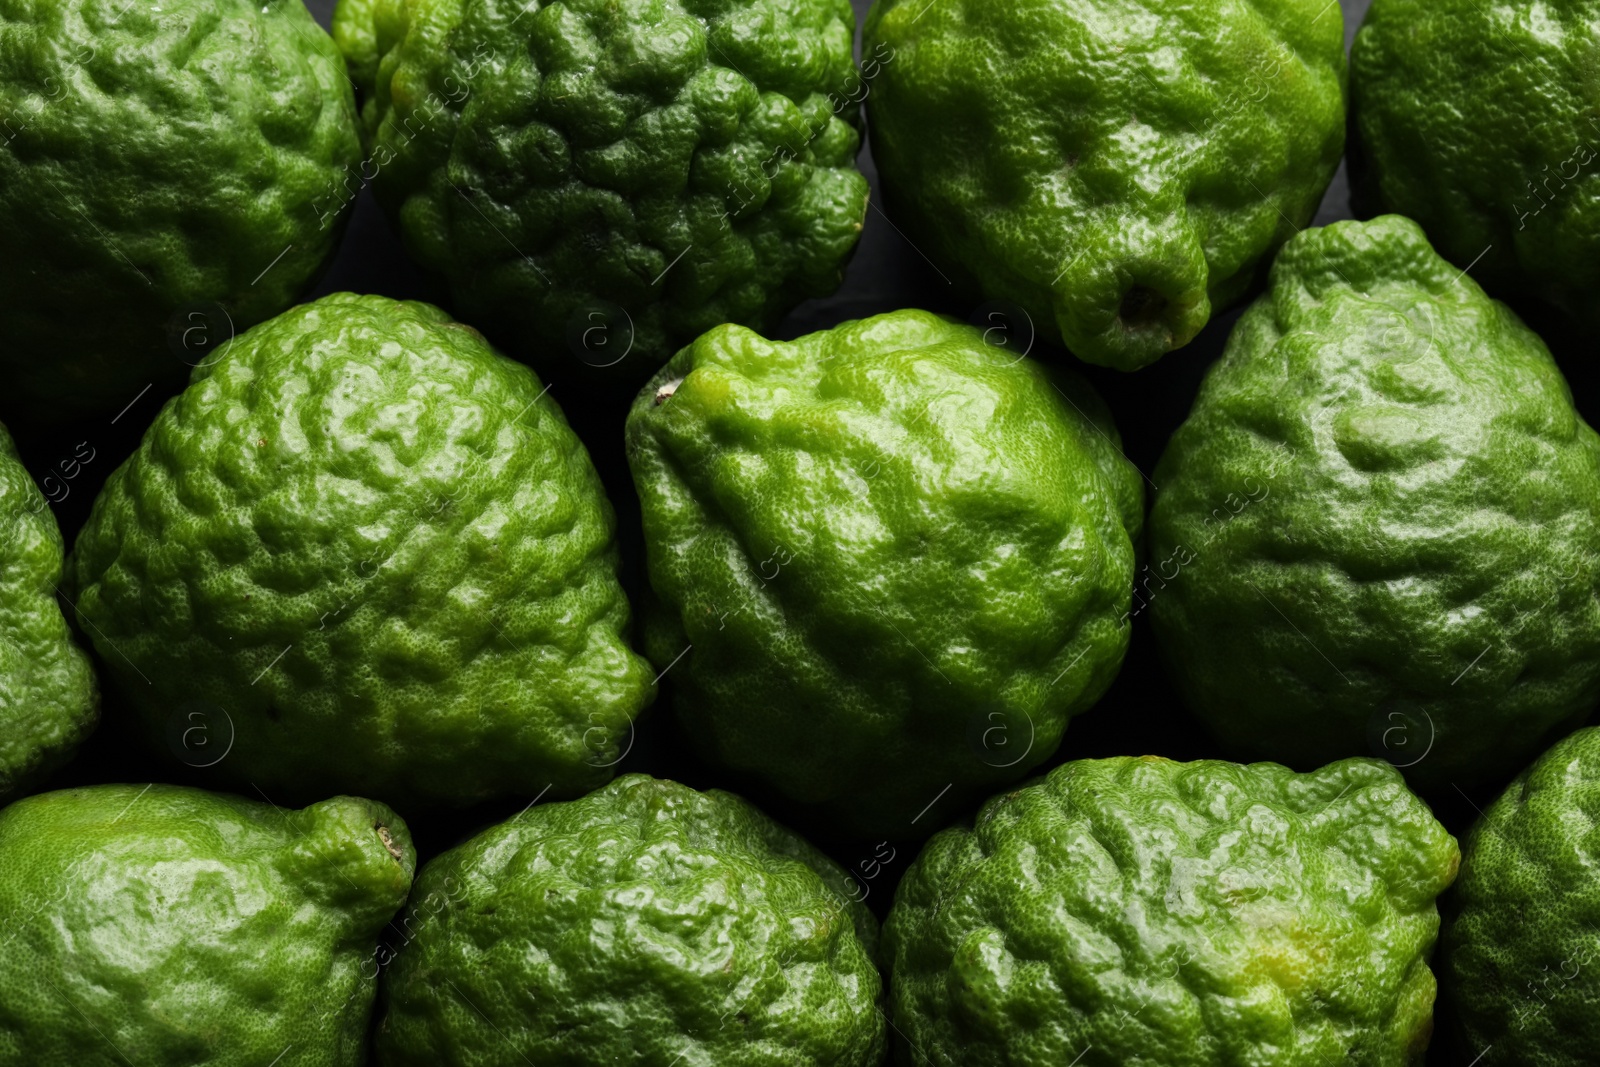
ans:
(49, 699)
(1137, 910)
(1117, 172)
(157, 161)
(668, 926)
(601, 181)
(164, 925)
(891, 557)
(1482, 123)
(1519, 954)
(374, 548)
(1378, 532)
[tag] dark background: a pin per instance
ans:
(1141, 714)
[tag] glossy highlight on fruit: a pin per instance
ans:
(890, 560)
(601, 181)
(1137, 910)
(1118, 172)
(1378, 532)
(367, 551)
(642, 925)
(164, 925)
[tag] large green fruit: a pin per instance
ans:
(1378, 532)
(645, 925)
(600, 181)
(369, 550)
(157, 925)
(1521, 954)
(1119, 173)
(1136, 910)
(1482, 123)
(891, 560)
(169, 174)
(48, 697)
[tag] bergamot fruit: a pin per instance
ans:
(1117, 173)
(163, 925)
(601, 181)
(644, 925)
(1378, 532)
(1137, 910)
(1482, 123)
(891, 559)
(49, 700)
(169, 174)
(1520, 954)
(372, 548)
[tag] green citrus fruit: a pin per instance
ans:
(644, 925)
(600, 181)
(370, 548)
(1378, 532)
(891, 560)
(49, 701)
(170, 174)
(163, 925)
(1521, 952)
(1482, 123)
(1117, 175)
(1136, 910)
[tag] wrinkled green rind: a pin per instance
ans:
(1380, 525)
(156, 161)
(645, 924)
(1063, 156)
(1519, 954)
(901, 556)
(1136, 910)
(49, 698)
(1482, 123)
(374, 547)
(164, 925)
(689, 162)
(1097, 435)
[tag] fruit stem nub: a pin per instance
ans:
(667, 389)
(388, 841)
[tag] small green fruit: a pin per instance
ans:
(49, 700)
(892, 560)
(161, 925)
(644, 925)
(371, 550)
(1482, 123)
(1137, 910)
(598, 181)
(170, 174)
(1521, 954)
(1117, 173)
(1378, 532)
